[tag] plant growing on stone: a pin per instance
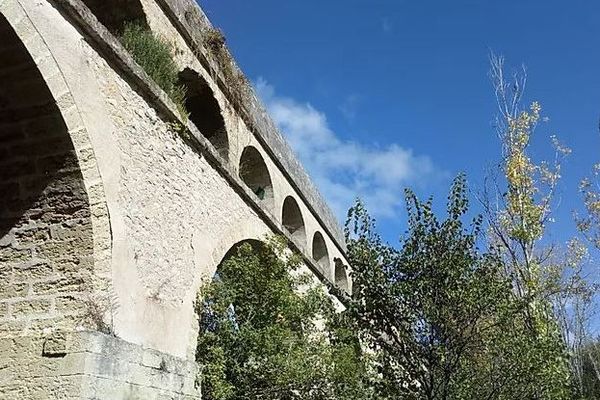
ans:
(214, 41)
(155, 57)
(98, 307)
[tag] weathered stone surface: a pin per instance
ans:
(86, 365)
(114, 210)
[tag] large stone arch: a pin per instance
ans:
(68, 163)
(208, 255)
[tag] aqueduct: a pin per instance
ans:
(114, 208)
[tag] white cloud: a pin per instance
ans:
(345, 169)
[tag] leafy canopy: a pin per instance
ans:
(442, 316)
(268, 332)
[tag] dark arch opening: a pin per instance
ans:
(340, 275)
(115, 14)
(292, 220)
(204, 110)
(45, 220)
(255, 174)
(319, 250)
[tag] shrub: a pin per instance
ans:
(155, 57)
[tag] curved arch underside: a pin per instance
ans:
(204, 110)
(115, 14)
(319, 250)
(292, 220)
(46, 238)
(341, 276)
(255, 175)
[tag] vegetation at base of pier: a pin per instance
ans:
(267, 332)
(155, 56)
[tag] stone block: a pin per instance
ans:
(30, 307)
(60, 284)
(55, 345)
(31, 236)
(32, 271)
(14, 290)
(14, 255)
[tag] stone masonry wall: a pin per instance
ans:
(91, 366)
(96, 181)
(45, 230)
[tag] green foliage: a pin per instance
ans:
(266, 332)
(214, 41)
(155, 57)
(589, 224)
(441, 315)
(555, 293)
(590, 354)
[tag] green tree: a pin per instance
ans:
(441, 315)
(552, 286)
(422, 307)
(268, 332)
(590, 355)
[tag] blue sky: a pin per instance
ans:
(379, 95)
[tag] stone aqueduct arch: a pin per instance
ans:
(50, 84)
(156, 216)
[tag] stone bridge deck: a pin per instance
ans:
(114, 209)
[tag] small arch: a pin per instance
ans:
(115, 14)
(255, 174)
(340, 275)
(292, 220)
(319, 250)
(204, 109)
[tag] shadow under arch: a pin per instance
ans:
(254, 173)
(45, 216)
(340, 275)
(319, 251)
(205, 111)
(292, 220)
(115, 14)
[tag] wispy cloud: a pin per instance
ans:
(386, 25)
(345, 169)
(349, 107)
